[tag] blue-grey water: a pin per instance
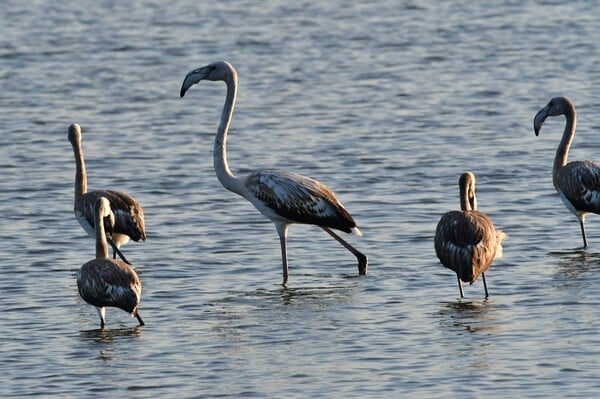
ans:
(387, 102)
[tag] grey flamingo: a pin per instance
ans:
(466, 240)
(106, 282)
(128, 213)
(577, 182)
(283, 197)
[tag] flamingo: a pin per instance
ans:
(466, 240)
(283, 197)
(106, 282)
(128, 213)
(577, 182)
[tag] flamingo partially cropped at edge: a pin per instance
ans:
(577, 182)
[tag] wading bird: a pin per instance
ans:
(577, 182)
(128, 213)
(106, 282)
(466, 240)
(283, 197)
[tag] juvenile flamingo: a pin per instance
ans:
(106, 282)
(466, 240)
(577, 182)
(283, 197)
(128, 213)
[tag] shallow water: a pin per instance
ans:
(387, 104)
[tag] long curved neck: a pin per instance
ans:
(562, 152)
(468, 201)
(80, 175)
(227, 179)
(101, 244)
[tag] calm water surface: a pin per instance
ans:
(387, 103)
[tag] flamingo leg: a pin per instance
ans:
(283, 242)
(484, 285)
(137, 316)
(117, 251)
(362, 258)
(460, 288)
(583, 233)
(102, 314)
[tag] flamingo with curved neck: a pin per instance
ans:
(577, 182)
(283, 197)
(128, 213)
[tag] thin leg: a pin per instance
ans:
(102, 314)
(362, 259)
(583, 233)
(460, 289)
(137, 316)
(116, 251)
(282, 241)
(484, 285)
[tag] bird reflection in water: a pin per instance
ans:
(106, 336)
(315, 296)
(470, 316)
(576, 267)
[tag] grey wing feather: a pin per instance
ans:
(580, 183)
(466, 242)
(129, 215)
(108, 282)
(299, 199)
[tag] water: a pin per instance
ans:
(385, 102)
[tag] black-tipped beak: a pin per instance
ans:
(539, 119)
(194, 77)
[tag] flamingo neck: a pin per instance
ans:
(562, 152)
(80, 174)
(468, 202)
(227, 179)
(101, 244)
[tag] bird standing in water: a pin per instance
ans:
(106, 282)
(128, 213)
(466, 240)
(577, 182)
(283, 197)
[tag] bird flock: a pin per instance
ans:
(465, 240)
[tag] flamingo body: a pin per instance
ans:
(292, 198)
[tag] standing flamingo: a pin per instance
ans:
(129, 216)
(466, 240)
(577, 182)
(106, 282)
(283, 197)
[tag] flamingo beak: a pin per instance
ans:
(194, 77)
(539, 119)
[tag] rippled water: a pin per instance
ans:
(387, 103)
